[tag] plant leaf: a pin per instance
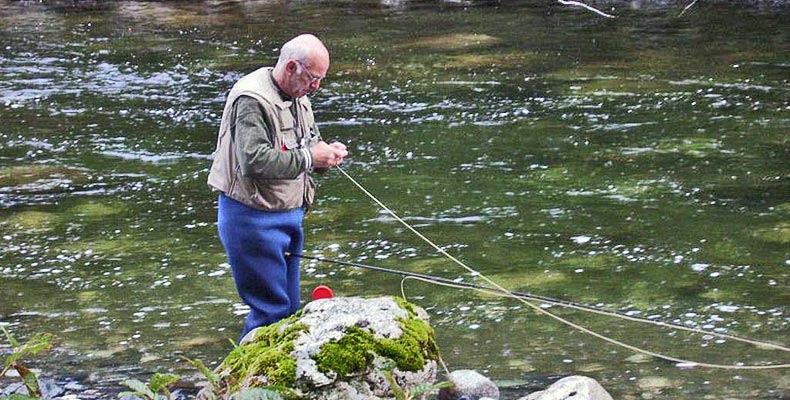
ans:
(29, 379)
(160, 382)
(37, 344)
(13, 357)
(10, 337)
(17, 396)
(428, 388)
(140, 389)
(256, 394)
(213, 378)
(396, 389)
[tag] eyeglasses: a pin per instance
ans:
(313, 78)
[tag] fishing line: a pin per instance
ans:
(441, 281)
(505, 292)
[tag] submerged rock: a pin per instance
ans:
(340, 348)
(573, 387)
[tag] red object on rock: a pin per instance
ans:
(322, 292)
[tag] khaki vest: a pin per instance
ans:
(265, 194)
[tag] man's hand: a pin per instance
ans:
(328, 155)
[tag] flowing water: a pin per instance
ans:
(638, 164)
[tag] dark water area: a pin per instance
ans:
(639, 164)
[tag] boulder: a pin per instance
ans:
(346, 348)
(468, 385)
(572, 388)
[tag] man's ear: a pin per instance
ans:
(290, 66)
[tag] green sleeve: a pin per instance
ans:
(254, 145)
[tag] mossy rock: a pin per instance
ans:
(334, 346)
(38, 177)
(96, 210)
(777, 234)
(455, 41)
(30, 222)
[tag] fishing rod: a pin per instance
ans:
(433, 279)
(500, 290)
(439, 279)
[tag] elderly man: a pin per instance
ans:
(268, 145)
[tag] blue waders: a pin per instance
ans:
(256, 242)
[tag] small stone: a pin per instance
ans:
(469, 384)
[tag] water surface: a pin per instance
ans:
(638, 164)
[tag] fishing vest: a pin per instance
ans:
(286, 134)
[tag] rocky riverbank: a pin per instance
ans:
(345, 348)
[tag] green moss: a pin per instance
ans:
(411, 349)
(268, 355)
(402, 303)
(348, 355)
(358, 347)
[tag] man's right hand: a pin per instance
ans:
(328, 155)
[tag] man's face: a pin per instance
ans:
(306, 77)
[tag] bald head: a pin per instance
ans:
(303, 63)
(305, 48)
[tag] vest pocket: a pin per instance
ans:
(288, 130)
(289, 141)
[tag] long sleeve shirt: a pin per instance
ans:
(254, 147)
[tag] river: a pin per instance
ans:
(638, 164)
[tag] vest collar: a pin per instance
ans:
(285, 100)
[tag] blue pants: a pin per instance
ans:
(256, 242)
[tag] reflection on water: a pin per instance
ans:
(617, 163)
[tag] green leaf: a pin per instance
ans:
(160, 382)
(11, 359)
(212, 377)
(396, 389)
(29, 379)
(140, 389)
(428, 388)
(10, 337)
(17, 396)
(37, 344)
(256, 394)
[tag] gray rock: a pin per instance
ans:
(14, 388)
(572, 388)
(469, 385)
(376, 326)
(49, 389)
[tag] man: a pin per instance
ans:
(268, 144)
